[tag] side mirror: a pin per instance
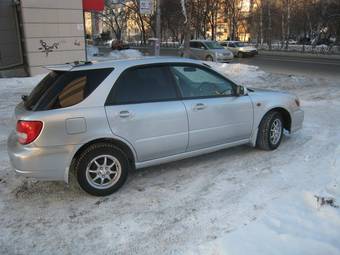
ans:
(240, 91)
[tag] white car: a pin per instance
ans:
(239, 49)
(208, 50)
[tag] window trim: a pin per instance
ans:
(210, 70)
(179, 96)
(114, 86)
(49, 94)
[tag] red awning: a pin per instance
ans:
(93, 5)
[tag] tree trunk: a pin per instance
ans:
(282, 26)
(261, 24)
(187, 33)
(269, 26)
(288, 24)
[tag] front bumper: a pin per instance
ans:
(225, 59)
(297, 120)
(250, 53)
(44, 163)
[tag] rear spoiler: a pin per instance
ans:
(68, 66)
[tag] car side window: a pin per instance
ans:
(143, 84)
(201, 46)
(198, 82)
(193, 45)
(60, 89)
(231, 45)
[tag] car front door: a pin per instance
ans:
(216, 116)
(143, 109)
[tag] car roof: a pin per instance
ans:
(202, 40)
(231, 41)
(121, 63)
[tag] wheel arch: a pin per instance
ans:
(287, 122)
(124, 147)
(209, 56)
(287, 119)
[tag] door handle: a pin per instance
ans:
(124, 114)
(199, 106)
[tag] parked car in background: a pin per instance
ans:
(118, 44)
(239, 49)
(208, 50)
(100, 120)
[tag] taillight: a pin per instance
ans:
(28, 130)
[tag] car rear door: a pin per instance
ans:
(143, 109)
(198, 50)
(216, 116)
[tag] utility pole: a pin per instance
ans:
(158, 28)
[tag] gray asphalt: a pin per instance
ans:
(295, 65)
(329, 68)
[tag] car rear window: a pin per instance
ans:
(60, 89)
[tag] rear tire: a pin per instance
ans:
(101, 169)
(270, 131)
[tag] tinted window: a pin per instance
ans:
(213, 45)
(239, 44)
(145, 84)
(200, 82)
(193, 45)
(61, 89)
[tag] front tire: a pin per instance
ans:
(270, 131)
(101, 169)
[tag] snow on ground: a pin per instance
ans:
(236, 201)
(93, 53)
(319, 49)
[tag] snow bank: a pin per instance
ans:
(307, 88)
(94, 54)
(319, 49)
(124, 54)
(91, 51)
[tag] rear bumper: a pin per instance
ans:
(297, 120)
(44, 163)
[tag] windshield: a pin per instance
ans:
(239, 44)
(213, 45)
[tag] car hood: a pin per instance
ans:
(267, 93)
(259, 90)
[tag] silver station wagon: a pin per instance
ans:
(102, 119)
(208, 50)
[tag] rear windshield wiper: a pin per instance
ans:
(24, 98)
